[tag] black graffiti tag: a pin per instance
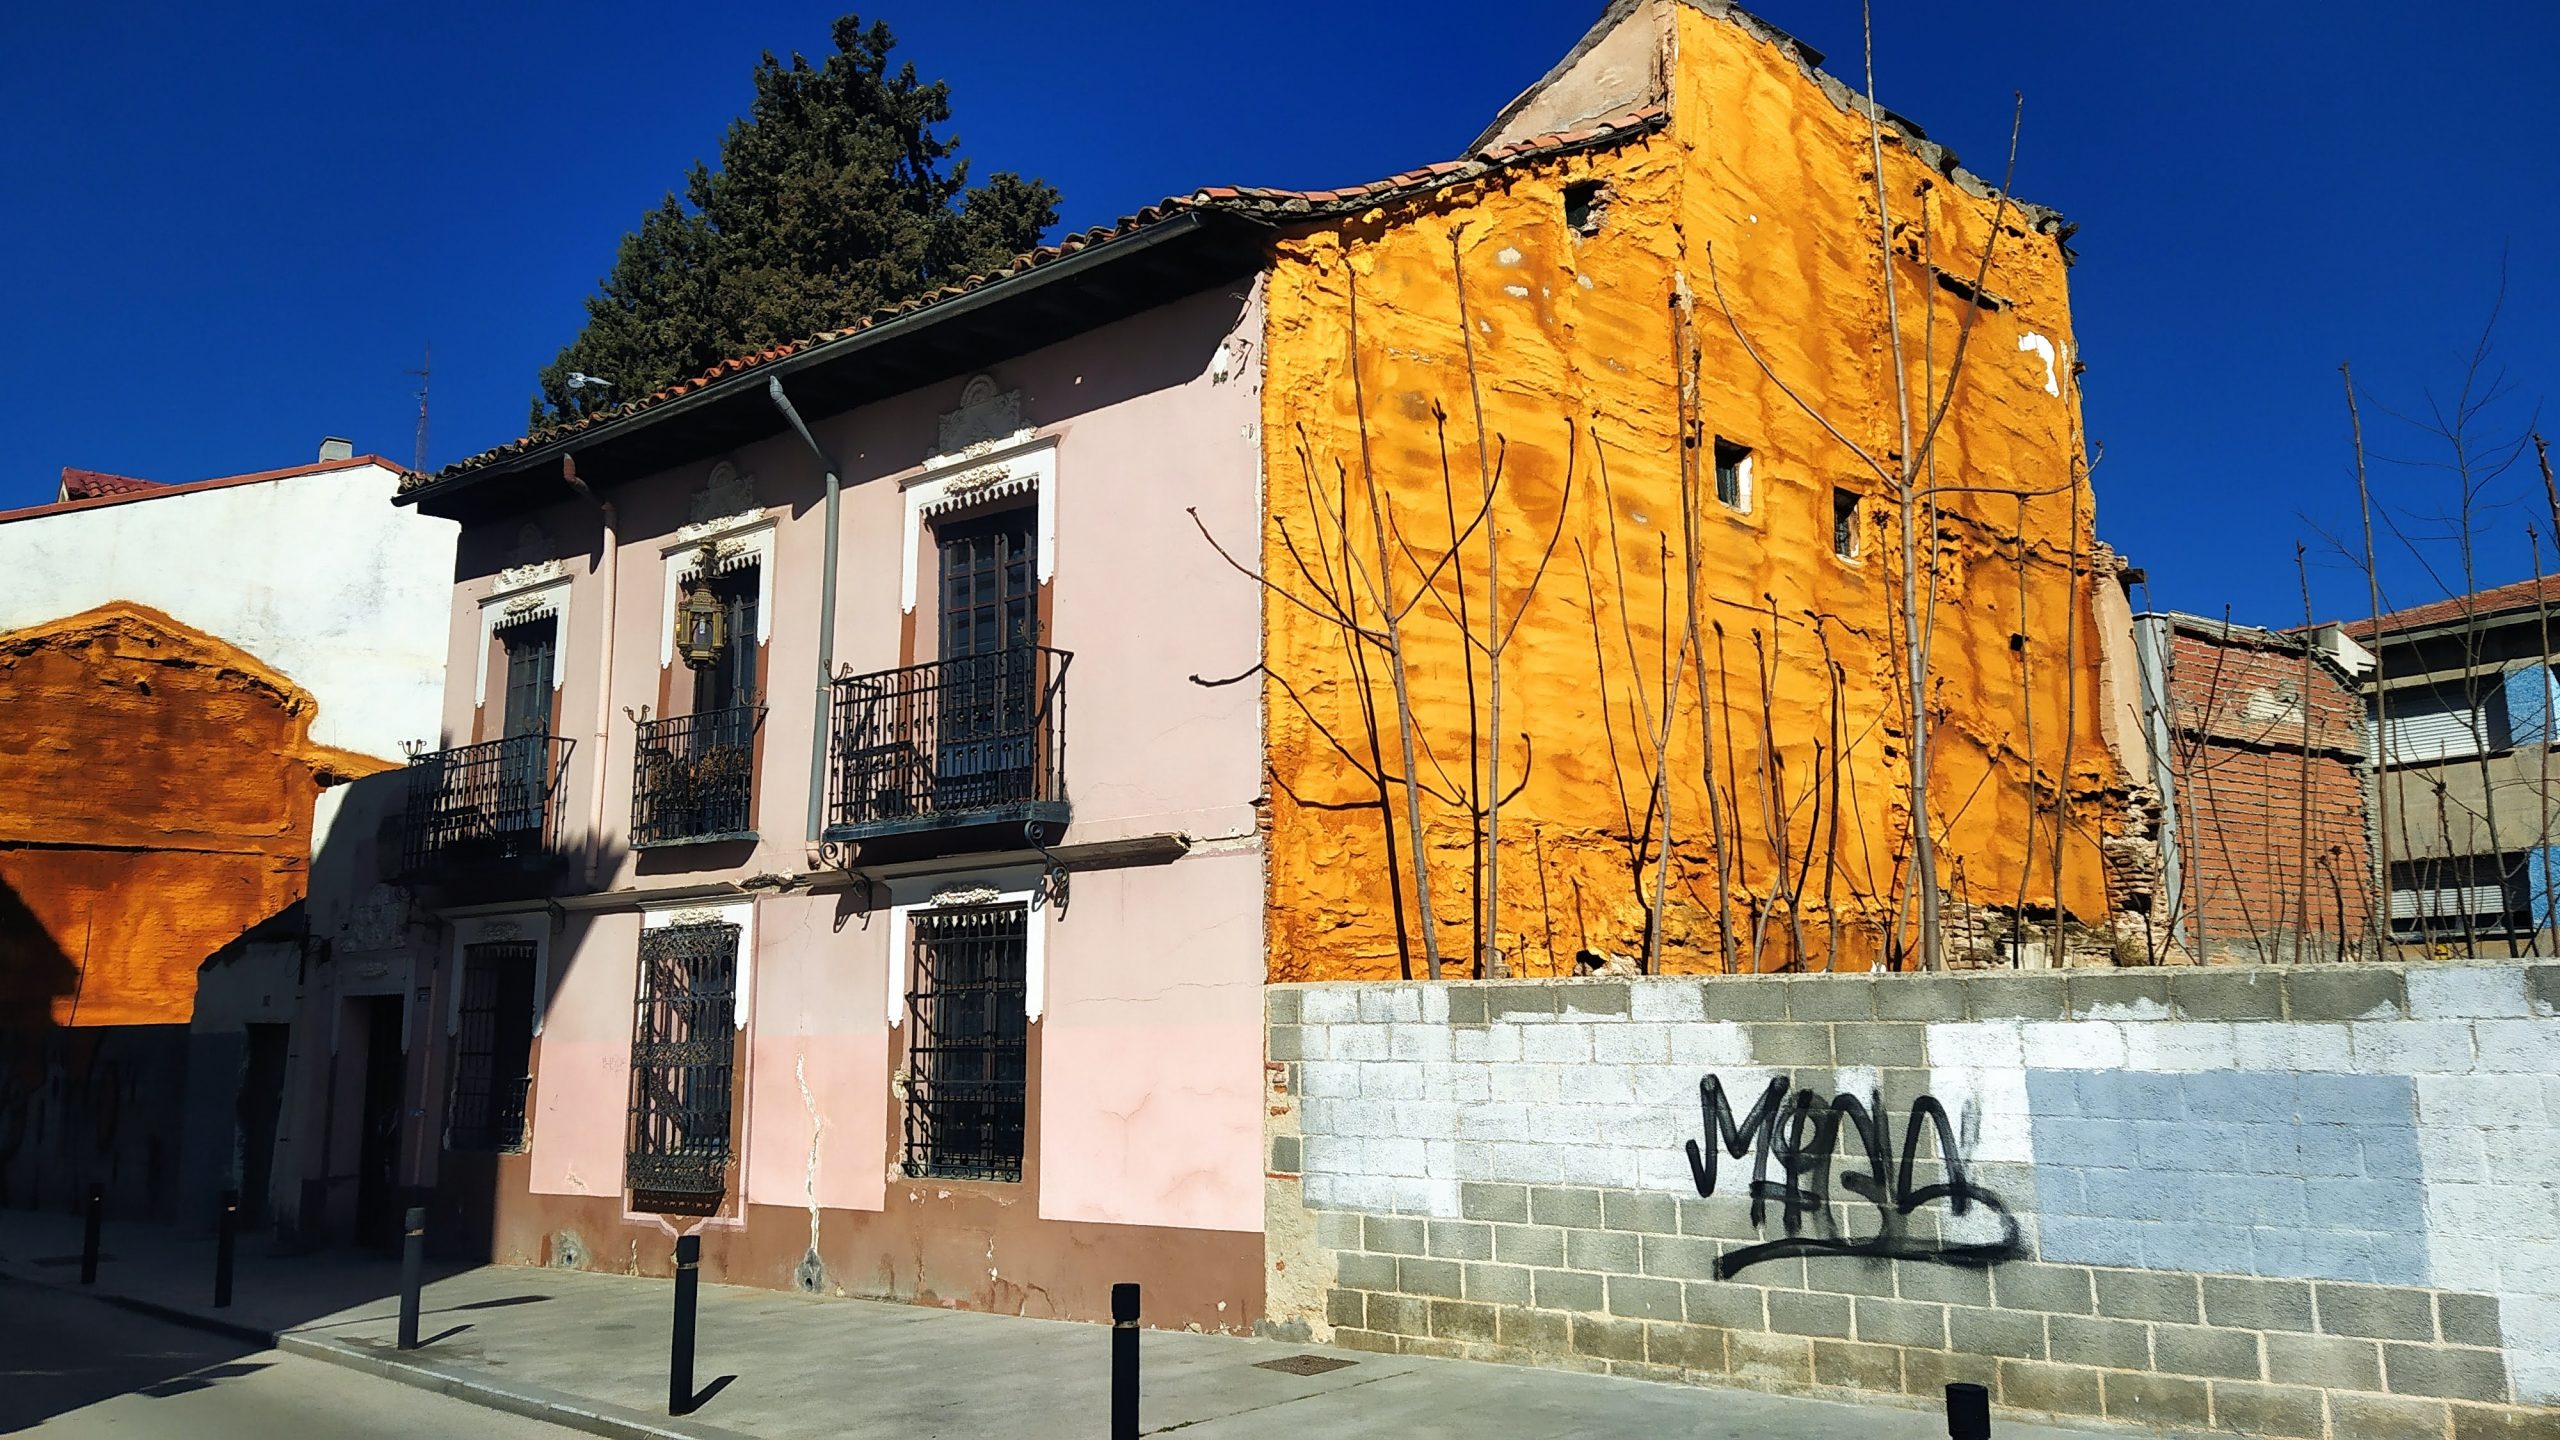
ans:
(1803, 1135)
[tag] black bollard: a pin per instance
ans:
(413, 1260)
(93, 1216)
(226, 1235)
(1968, 1412)
(680, 1345)
(1124, 1362)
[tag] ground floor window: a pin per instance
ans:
(967, 1048)
(683, 1053)
(492, 1048)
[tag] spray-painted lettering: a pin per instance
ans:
(1802, 1136)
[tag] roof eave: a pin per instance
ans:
(1005, 289)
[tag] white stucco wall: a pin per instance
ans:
(318, 576)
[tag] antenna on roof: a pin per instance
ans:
(426, 363)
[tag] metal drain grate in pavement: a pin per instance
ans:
(1304, 1364)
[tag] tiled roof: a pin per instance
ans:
(133, 490)
(2480, 604)
(1271, 206)
(90, 484)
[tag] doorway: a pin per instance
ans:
(261, 1103)
(378, 1151)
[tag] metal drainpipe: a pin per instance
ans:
(826, 613)
(608, 571)
(2151, 640)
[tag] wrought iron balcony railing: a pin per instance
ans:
(693, 778)
(956, 742)
(494, 801)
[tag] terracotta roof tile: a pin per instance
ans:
(90, 484)
(1252, 201)
(134, 490)
(2480, 603)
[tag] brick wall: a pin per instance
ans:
(2241, 774)
(2281, 1202)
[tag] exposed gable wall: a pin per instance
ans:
(1622, 305)
(1619, 66)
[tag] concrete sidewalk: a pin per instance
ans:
(591, 1351)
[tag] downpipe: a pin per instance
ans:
(608, 572)
(826, 612)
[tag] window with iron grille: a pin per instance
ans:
(967, 1039)
(683, 1049)
(492, 1049)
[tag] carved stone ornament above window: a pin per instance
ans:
(986, 420)
(968, 895)
(726, 501)
(533, 560)
(381, 922)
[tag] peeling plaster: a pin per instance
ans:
(2043, 348)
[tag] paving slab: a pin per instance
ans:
(590, 1351)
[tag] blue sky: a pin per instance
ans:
(233, 228)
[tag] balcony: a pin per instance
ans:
(938, 758)
(693, 778)
(479, 807)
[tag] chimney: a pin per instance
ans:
(333, 447)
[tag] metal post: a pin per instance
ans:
(680, 1346)
(226, 1236)
(1968, 1412)
(93, 1216)
(413, 1260)
(1124, 1362)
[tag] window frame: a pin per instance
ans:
(936, 1025)
(1848, 523)
(492, 1136)
(1742, 471)
(662, 1121)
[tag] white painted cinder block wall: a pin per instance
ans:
(2445, 1108)
(319, 576)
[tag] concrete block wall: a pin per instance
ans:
(2293, 1201)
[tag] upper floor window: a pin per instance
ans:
(2423, 723)
(1733, 475)
(1844, 523)
(990, 592)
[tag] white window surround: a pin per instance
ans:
(1017, 886)
(740, 912)
(980, 475)
(526, 592)
(736, 542)
(533, 926)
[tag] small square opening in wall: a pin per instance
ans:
(1586, 206)
(1733, 474)
(1844, 523)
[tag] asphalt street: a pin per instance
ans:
(71, 1365)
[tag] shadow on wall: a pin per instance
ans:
(34, 973)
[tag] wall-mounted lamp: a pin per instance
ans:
(702, 623)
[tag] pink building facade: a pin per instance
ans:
(889, 917)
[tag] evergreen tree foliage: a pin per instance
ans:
(835, 196)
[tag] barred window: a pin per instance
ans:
(967, 1043)
(492, 1048)
(683, 1049)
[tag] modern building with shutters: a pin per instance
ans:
(2460, 700)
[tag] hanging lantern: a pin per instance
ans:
(702, 624)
